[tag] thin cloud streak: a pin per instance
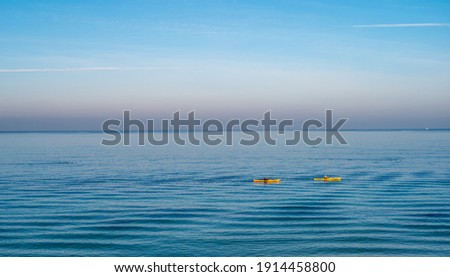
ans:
(78, 69)
(402, 25)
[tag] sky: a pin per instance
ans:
(69, 65)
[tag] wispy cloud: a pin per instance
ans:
(402, 25)
(76, 69)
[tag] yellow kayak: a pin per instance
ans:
(267, 180)
(329, 179)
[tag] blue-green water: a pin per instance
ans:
(63, 194)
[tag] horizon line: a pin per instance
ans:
(200, 130)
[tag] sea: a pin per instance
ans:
(66, 194)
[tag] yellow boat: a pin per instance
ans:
(266, 180)
(329, 179)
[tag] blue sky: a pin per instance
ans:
(71, 64)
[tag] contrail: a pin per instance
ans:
(403, 25)
(75, 69)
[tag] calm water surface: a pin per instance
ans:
(63, 194)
